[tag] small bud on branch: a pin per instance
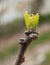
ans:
(31, 25)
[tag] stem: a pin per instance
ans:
(24, 44)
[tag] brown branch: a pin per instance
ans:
(30, 35)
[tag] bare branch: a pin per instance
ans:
(24, 42)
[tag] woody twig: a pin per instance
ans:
(24, 42)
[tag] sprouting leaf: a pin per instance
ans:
(31, 20)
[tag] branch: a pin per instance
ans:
(24, 42)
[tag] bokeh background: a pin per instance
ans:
(12, 27)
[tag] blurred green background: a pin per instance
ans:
(12, 27)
